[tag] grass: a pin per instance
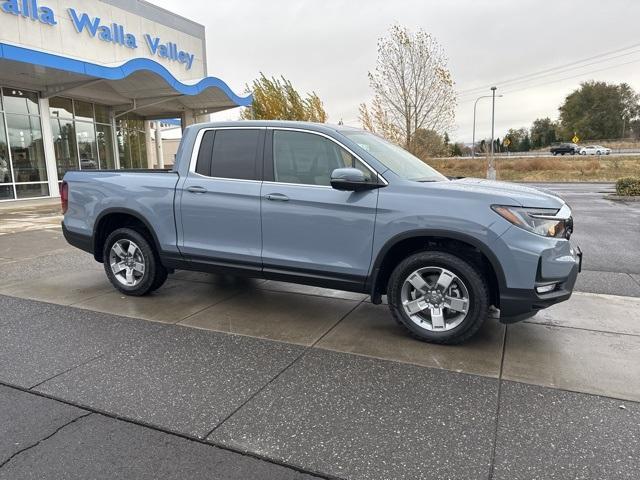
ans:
(577, 169)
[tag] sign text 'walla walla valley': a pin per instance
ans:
(112, 32)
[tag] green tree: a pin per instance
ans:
(598, 110)
(516, 136)
(428, 143)
(525, 143)
(277, 99)
(543, 132)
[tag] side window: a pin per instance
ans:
(229, 154)
(203, 165)
(309, 159)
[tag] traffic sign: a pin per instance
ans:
(506, 142)
(575, 139)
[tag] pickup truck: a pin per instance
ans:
(335, 207)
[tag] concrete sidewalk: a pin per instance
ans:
(334, 414)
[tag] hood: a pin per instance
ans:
(522, 195)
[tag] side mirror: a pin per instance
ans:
(351, 179)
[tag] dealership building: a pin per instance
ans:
(84, 81)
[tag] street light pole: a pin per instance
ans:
(491, 171)
(473, 141)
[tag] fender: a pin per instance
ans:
(126, 211)
(463, 237)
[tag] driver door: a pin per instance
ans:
(310, 230)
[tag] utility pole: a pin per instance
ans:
(491, 171)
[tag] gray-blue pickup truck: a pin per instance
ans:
(335, 207)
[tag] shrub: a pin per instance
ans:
(628, 186)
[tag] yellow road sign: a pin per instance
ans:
(506, 142)
(575, 139)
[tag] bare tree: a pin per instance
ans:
(412, 85)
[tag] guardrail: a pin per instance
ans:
(534, 154)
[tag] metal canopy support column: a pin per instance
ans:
(49, 150)
(159, 152)
(151, 158)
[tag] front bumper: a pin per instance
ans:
(519, 304)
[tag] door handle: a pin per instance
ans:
(196, 189)
(277, 197)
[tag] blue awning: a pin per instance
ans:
(141, 84)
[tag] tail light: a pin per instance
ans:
(64, 196)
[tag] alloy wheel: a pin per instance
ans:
(435, 299)
(127, 262)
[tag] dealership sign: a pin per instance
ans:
(112, 32)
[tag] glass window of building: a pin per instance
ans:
(102, 114)
(20, 101)
(64, 145)
(132, 142)
(87, 148)
(6, 176)
(60, 107)
(83, 110)
(23, 171)
(27, 150)
(84, 138)
(104, 140)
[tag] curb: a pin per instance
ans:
(623, 198)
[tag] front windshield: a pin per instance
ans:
(396, 159)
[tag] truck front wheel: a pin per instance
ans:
(131, 264)
(438, 297)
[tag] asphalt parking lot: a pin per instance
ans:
(234, 378)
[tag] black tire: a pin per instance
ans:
(154, 273)
(478, 309)
(160, 278)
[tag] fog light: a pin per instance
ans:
(546, 288)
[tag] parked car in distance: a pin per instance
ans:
(564, 148)
(595, 150)
(329, 206)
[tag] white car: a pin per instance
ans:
(595, 150)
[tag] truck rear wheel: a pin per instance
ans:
(438, 297)
(131, 264)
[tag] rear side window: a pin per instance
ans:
(230, 154)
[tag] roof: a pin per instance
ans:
(282, 124)
(141, 85)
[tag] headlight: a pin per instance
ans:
(548, 222)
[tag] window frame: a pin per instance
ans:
(267, 155)
(260, 151)
(270, 166)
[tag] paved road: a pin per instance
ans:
(608, 233)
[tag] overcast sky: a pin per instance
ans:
(329, 46)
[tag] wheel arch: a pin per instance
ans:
(402, 245)
(113, 218)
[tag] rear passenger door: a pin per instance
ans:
(220, 199)
(310, 230)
